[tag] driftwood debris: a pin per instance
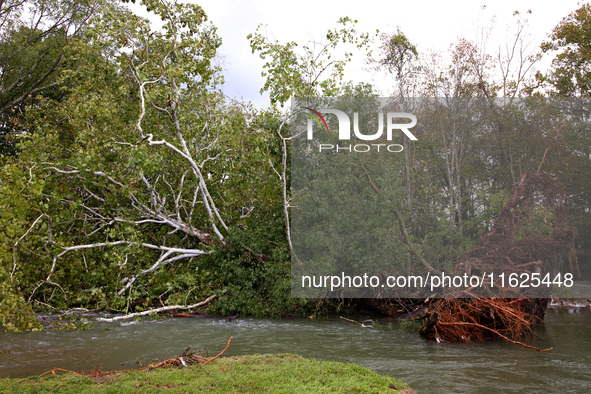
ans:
(184, 359)
(356, 322)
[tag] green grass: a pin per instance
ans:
(282, 373)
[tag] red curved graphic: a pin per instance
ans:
(319, 115)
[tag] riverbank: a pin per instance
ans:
(245, 374)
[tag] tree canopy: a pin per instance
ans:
(571, 39)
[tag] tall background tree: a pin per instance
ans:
(570, 76)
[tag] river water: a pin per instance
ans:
(427, 366)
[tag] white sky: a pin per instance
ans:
(429, 24)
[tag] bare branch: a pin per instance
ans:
(67, 249)
(283, 178)
(19, 240)
(158, 310)
(99, 173)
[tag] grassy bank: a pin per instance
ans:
(282, 373)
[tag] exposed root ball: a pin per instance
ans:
(477, 319)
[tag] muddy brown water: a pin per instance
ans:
(427, 366)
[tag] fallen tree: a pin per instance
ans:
(152, 188)
(532, 235)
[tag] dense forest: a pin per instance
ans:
(128, 180)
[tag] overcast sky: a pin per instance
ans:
(431, 24)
